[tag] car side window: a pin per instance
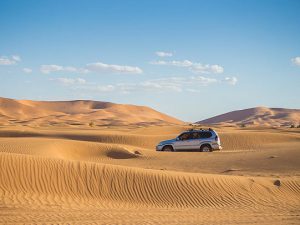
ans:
(196, 135)
(184, 136)
(205, 134)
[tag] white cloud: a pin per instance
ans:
(164, 54)
(101, 67)
(194, 67)
(217, 69)
(184, 63)
(27, 70)
(105, 88)
(91, 67)
(296, 60)
(50, 68)
(199, 68)
(231, 80)
(16, 58)
(193, 90)
(177, 84)
(149, 85)
(4, 60)
(46, 69)
(170, 84)
(69, 81)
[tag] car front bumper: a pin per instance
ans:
(159, 147)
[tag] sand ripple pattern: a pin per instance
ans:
(63, 180)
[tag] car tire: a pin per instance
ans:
(168, 148)
(205, 148)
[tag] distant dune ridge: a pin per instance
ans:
(262, 116)
(98, 113)
(79, 112)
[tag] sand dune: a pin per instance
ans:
(57, 169)
(114, 184)
(149, 137)
(261, 116)
(80, 112)
(44, 185)
(114, 176)
(248, 152)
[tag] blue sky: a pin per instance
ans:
(189, 59)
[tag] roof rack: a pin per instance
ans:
(201, 129)
(190, 129)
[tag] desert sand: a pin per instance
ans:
(73, 173)
(258, 116)
(79, 112)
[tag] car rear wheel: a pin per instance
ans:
(168, 149)
(205, 148)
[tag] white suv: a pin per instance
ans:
(202, 140)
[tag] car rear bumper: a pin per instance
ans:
(216, 147)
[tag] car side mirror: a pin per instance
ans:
(177, 139)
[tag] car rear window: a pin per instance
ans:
(205, 134)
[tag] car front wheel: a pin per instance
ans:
(168, 149)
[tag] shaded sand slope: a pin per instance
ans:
(257, 116)
(80, 112)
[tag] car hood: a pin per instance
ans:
(167, 141)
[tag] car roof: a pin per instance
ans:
(199, 130)
(191, 131)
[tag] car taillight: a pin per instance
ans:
(216, 138)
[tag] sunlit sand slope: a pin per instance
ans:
(45, 185)
(59, 180)
(79, 113)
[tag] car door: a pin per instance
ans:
(205, 137)
(188, 141)
(183, 141)
(195, 141)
